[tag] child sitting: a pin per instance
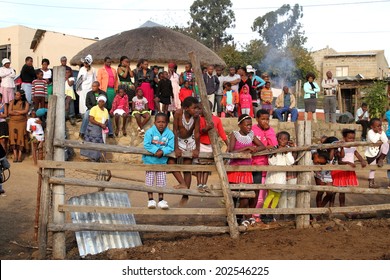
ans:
(230, 100)
(140, 110)
(34, 127)
(376, 155)
(159, 140)
(120, 108)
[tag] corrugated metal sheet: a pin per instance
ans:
(94, 242)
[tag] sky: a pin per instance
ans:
(344, 25)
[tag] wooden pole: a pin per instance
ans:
(133, 150)
(44, 203)
(231, 217)
(340, 100)
(59, 248)
(304, 178)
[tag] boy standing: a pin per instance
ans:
(187, 139)
(159, 140)
(39, 90)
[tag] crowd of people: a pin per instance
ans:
(108, 97)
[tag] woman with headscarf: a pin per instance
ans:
(175, 80)
(85, 78)
(97, 128)
(144, 78)
(18, 110)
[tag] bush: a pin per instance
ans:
(376, 99)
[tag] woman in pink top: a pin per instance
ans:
(266, 134)
(120, 107)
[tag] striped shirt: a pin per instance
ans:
(39, 88)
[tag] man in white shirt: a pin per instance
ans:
(219, 93)
(329, 86)
(362, 117)
(233, 78)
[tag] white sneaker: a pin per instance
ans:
(163, 205)
(152, 204)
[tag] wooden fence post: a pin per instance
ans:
(59, 248)
(303, 197)
(231, 217)
(44, 202)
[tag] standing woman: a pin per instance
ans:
(108, 79)
(125, 74)
(18, 110)
(47, 76)
(97, 127)
(311, 90)
(3, 124)
(85, 78)
(7, 75)
(175, 80)
(144, 79)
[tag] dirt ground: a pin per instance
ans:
(365, 237)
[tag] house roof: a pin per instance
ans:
(156, 43)
(354, 54)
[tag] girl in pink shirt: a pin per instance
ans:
(266, 134)
(245, 100)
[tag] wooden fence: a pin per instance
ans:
(52, 207)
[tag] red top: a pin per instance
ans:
(120, 103)
(204, 137)
(184, 93)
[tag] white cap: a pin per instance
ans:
(250, 69)
(5, 61)
(102, 97)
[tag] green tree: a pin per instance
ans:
(231, 56)
(376, 99)
(209, 21)
(277, 27)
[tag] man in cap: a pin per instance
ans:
(7, 75)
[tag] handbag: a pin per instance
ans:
(79, 83)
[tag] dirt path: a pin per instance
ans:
(358, 239)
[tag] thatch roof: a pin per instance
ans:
(158, 44)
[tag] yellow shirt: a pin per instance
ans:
(99, 115)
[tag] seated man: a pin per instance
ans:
(362, 117)
(285, 103)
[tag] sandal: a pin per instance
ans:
(200, 188)
(252, 221)
(206, 189)
(124, 133)
(245, 223)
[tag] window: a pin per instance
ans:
(341, 71)
(5, 52)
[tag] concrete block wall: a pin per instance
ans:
(133, 139)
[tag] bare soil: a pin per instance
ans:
(365, 237)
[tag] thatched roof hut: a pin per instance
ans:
(156, 43)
